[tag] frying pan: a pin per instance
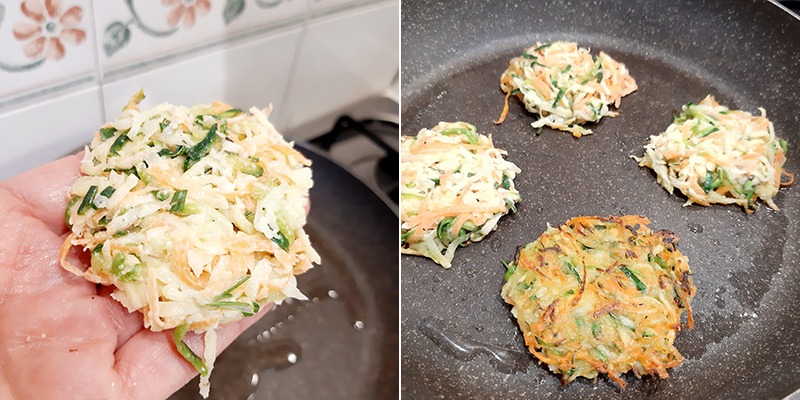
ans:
(459, 340)
(342, 343)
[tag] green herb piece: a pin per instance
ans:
(648, 334)
(639, 285)
(161, 195)
(600, 354)
(471, 134)
(510, 205)
(230, 113)
(107, 132)
(244, 165)
(227, 293)
(436, 181)
(558, 97)
(661, 263)
(281, 241)
(710, 131)
(201, 149)
(528, 56)
(178, 201)
(784, 145)
(135, 100)
(506, 183)
(712, 181)
(108, 192)
(542, 47)
(515, 92)
(179, 150)
(121, 233)
(406, 235)
(141, 171)
(186, 352)
(596, 330)
(443, 230)
(510, 269)
(569, 269)
(88, 200)
(236, 305)
(567, 68)
(117, 145)
(164, 124)
(74, 199)
(467, 227)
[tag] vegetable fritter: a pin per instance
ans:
(194, 215)
(602, 295)
(565, 85)
(455, 186)
(716, 155)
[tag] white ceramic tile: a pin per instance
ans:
(320, 6)
(249, 74)
(343, 58)
(41, 47)
(48, 130)
(138, 31)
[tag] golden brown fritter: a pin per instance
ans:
(602, 295)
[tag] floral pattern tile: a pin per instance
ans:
(44, 43)
(135, 32)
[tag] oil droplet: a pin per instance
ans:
(464, 348)
(254, 379)
(332, 294)
(695, 228)
(359, 325)
(292, 358)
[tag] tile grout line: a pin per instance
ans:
(97, 66)
(287, 91)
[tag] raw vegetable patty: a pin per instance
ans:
(601, 295)
(455, 186)
(194, 215)
(716, 155)
(566, 86)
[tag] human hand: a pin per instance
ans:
(62, 337)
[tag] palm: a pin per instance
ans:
(60, 335)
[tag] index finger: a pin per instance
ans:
(43, 190)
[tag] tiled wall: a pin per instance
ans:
(66, 66)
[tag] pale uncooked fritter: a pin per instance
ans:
(566, 86)
(454, 188)
(194, 215)
(713, 154)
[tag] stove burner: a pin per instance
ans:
(375, 160)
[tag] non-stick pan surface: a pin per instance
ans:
(459, 339)
(342, 343)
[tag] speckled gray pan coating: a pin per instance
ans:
(459, 340)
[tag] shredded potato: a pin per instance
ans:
(602, 295)
(194, 215)
(716, 155)
(455, 186)
(565, 85)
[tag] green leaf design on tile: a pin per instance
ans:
(116, 37)
(233, 9)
